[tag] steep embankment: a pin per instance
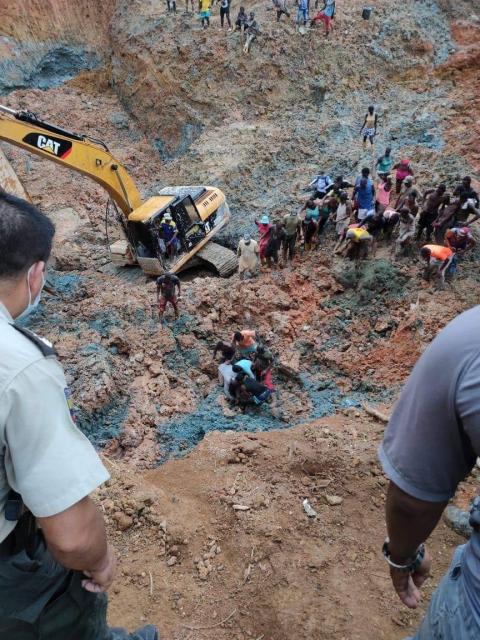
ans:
(43, 44)
(260, 125)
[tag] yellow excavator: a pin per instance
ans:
(198, 212)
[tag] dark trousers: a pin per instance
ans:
(41, 600)
(225, 13)
(172, 5)
(279, 13)
(289, 246)
(425, 222)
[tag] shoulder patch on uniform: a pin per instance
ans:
(45, 346)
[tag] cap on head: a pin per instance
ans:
(463, 231)
(264, 219)
(247, 237)
(167, 216)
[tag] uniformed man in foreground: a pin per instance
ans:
(55, 561)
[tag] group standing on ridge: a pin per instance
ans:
(355, 218)
(246, 22)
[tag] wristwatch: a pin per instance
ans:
(411, 566)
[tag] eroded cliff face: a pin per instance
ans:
(43, 44)
(81, 22)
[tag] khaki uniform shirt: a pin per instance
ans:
(43, 456)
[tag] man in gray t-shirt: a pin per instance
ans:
(431, 445)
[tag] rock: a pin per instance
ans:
(458, 520)
(333, 501)
(289, 363)
(240, 507)
(323, 483)
(155, 369)
(247, 448)
(382, 326)
(108, 505)
(123, 521)
(171, 561)
(309, 510)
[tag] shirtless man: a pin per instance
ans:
(369, 126)
(457, 211)
(434, 201)
(166, 286)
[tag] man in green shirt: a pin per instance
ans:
(291, 224)
(385, 163)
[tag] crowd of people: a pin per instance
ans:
(389, 210)
(245, 370)
(246, 22)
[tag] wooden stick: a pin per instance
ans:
(376, 413)
(151, 583)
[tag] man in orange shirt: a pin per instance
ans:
(245, 342)
(438, 259)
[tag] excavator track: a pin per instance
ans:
(223, 260)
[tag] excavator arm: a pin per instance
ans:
(77, 152)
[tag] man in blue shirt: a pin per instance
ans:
(364, 193)
(302, 11)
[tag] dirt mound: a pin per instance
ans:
(218, 545)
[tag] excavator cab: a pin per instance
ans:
(196, 213)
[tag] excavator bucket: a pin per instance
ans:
(9, 181)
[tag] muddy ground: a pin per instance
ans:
(179, 105)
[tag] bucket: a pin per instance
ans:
(367, 12)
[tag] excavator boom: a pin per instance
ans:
(73, 151)
(198, 213)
